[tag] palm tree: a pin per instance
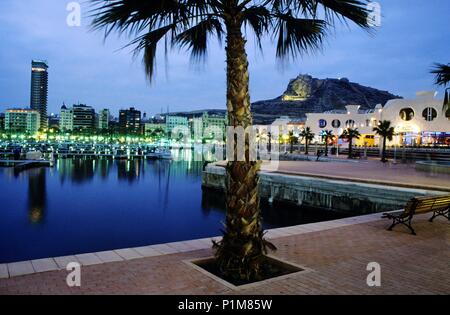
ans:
(442, 74)
(298, 26)
(442, 78)
(327, 135)
(308, 136)
(349, 134)
(292, 140)
(384, 130)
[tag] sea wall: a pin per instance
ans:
(338, 195)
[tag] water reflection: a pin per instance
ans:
(129, 170)
(37, 195)
(89, 205)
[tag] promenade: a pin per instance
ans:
(336, 254)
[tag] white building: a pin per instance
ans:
(419, 121)
(66, 119)
(22, 120)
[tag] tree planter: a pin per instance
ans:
(275, 270)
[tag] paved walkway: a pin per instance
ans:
(369, 172)
(337, 255)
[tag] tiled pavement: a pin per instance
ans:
(337, 252)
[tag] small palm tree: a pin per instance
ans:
(292, 141)
(308, 136)
(298, 26)
(384, 130)
(327, 135)
(349, 134)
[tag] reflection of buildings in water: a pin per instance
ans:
(83, 170)
(79, 170)
(129, 170)
(63, 166)
(37, 194)
(103, 167)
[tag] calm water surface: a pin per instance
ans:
(87, 205)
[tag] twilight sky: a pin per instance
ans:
(84, 68)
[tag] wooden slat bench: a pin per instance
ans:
(439, 205)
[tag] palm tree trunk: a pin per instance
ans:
(240, 253)
(306, 147)
(350, 147)
(383, 151)
(326, 147)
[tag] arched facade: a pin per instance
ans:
(420, 121)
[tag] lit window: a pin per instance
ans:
(429, 114)
(407, 114)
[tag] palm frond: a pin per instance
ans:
(196, 37)
(442, 74)
(157, 19)
(258, 18)
(355, 11)
(346, 10)
(149, 43)
(297, 35)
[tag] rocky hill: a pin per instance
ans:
(306, 94)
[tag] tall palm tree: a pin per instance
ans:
(298, 26)
(349, 134)
(292, 141)
(384, 130)
(327, 135)
(308, 136)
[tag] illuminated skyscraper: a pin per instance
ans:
(39, 89)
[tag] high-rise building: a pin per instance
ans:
(22, 120)
(130, 121)
(39, 89)
(83, 117)
(66, 119)
(103, 119)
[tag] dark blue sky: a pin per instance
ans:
(413, 35)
